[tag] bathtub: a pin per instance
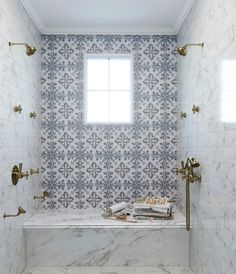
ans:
(62, 239)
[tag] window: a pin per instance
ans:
(108, 96)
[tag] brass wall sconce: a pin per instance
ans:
(33, 171)
(189, 176)
(30, 50)
(195, 109)
(33, 114)
(18, 174)
(183, 115)
(183, 50)
(43, 197)
(20, 212)
(17, 108)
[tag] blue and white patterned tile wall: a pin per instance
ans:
(93, 166)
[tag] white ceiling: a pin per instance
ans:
(108, 16)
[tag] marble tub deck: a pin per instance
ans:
(45, 219)
(110, 270)
(56, 239)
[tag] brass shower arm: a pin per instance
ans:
(17, 44)
(30, 50)
(198, 45)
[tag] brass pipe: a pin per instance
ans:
(187, 205)
(189, 176)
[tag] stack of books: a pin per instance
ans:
(156, 208)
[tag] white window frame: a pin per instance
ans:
(114, 55)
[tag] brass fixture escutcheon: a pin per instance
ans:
(14, 175)
(18, 174)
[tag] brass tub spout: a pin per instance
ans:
(43, 197)
(20, 212)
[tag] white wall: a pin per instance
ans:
(19, 135)
(207, 78)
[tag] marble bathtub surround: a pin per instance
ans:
(57, 239)
(95, 166)
(19, 137)
(207, 79)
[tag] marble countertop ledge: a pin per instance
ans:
(51, 219)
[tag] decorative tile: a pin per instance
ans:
(89, 166)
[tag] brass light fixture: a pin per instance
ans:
(18, 174)
(30, 50)
(183, 50)
(195, 109)
(20, 212)
(33, 114)
(43, 197)
(18, 108)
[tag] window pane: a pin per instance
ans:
(120, 106)
(97, 106)
(97, 74)
(120, 74)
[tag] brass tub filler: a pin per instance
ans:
(189, 175)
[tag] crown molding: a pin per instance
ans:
(30, 9)
(110, 30)
(152, 30)
(183, 15)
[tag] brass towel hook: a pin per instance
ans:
(20, 212)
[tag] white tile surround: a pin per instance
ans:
(54, 239)
(207, 79)
(19, 135)
(109, 270)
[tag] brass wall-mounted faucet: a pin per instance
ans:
(189, 176)
(20, 212)
(18, 174)
(43, 197)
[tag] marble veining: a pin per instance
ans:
(75, 240)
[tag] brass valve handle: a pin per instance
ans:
(18, 108)
(34, 171)
(33, 114)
